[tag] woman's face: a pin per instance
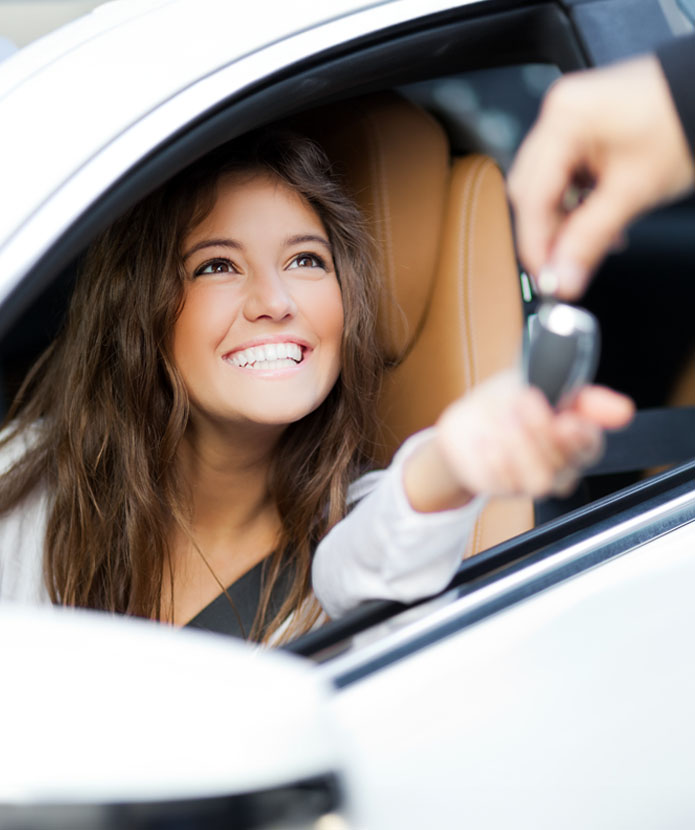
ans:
(258, 339)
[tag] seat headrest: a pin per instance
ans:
(394, 160)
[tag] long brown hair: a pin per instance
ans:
(107, 409)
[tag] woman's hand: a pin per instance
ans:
(504, 439)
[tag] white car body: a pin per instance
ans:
(557, 694)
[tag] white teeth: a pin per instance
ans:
(273, 364)
(283, 354)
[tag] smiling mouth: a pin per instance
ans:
(268, 356)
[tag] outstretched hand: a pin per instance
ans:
(616, 127)
(504, 439)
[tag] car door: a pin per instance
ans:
(488, 704)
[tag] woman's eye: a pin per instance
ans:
(215, 266)
(307, 261)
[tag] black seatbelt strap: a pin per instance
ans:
(654, 437)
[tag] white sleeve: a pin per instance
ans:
(384, 549)
(22, 533)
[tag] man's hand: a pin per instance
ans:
(616, 127)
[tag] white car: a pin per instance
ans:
(552, 684)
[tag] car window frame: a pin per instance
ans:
(258, 89)
(501, 577)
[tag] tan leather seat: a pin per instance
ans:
(451, 311)
(683, 392)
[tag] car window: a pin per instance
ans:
(488, 109)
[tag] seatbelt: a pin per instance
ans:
(654, 437)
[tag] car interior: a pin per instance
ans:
(447, 258)
(422, 123)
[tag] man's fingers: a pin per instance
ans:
(536, 186)
(589, 233)
(618, 124)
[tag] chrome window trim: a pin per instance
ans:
(549, 566)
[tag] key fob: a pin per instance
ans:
(563, 351)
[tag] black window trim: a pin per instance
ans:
(538, 559)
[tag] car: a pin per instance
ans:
(549, 684)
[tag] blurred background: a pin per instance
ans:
(22, 21)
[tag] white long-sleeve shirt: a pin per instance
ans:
(383, 549)
(22, 535)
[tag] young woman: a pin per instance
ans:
(201, 423)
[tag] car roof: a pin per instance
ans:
(70, 92)
(70, 95)
(118, 19)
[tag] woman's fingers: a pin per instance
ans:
(604, 407)
(552, 448)
(505, 439)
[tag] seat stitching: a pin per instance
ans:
(385, 213)
(474, 179)
(460, 248)
(464, 285)
(477, 186)
(479, 533)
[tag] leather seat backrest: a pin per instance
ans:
(683, 392)
(451, 312)
(394, 159)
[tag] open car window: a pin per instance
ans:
(480, 69)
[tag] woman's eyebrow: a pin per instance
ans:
(300, 238)
(214, 243)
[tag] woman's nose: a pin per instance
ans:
(268, 297)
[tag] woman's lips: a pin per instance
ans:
(285, 350)
(280, 355)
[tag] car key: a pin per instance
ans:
(563, 351)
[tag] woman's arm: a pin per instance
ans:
(384, 548)
(406, 538)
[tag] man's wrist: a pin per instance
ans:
(677, 60)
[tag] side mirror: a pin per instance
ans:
(114, 722)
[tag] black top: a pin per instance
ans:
(236, 618)
(677, 59)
